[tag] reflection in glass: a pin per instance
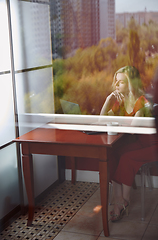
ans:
(7, 128)
(34, 23)
(35, 91)
(9, 186)
(84, 70)
(4, 39)
(128, 98)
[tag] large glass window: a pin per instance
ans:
(32, 60)
(7, 126)
(31, 21)
(84, 74)
(26, 87)
(35, 91)
(4, 40)
(9, 184)
(9, 187)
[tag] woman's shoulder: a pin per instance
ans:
(140, 103)
(142, 98)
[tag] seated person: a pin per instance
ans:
(125, 162)
(128, 97)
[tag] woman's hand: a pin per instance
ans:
(110, 100)
(116, 96)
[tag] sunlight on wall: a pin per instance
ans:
(4, 39)
(5, 99)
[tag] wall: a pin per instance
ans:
(26, 85)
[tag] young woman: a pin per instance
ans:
(128, 97)
(128, 100)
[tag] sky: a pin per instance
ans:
(135, 5)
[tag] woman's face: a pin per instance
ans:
(121, 83)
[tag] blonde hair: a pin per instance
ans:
(134, 81)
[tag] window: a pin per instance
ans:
(26, 86)
(87, 72)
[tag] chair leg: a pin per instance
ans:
(142, 192)
(110, 193)
(149, 178)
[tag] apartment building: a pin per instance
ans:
(56, 25)
(107, 18)
(140, 17)
(80, 24)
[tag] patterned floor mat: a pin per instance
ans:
(52, 212)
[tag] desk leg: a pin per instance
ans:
(73, 170)
(104, 189)
(61, 168)
(29, 183)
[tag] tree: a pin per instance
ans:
(133, 48)
(132, 24)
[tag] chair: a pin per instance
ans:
(110, 193)
(145, 171)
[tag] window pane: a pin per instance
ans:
(4, 39)
(9, 186)
(32, 47)
(35, 91)
(7, 128)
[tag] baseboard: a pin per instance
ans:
(92, 176)
(154, 180)
(45, 192)
(9, 218)
(86, 176)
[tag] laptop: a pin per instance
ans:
(70, 107)
(74, 108)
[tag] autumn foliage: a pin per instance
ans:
(86, 77)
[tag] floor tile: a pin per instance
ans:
(96, 197)
(74, 236)
(86, 221)
(74, 212)
(150, 197)
(151, 233)
(135, 214)
(107, 238)
(126, 230)
(154, 219)
(52, 212)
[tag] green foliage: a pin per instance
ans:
(119, 62)
(149, 37)
(58, 67)
(90, 92)
(92, 59)
(122, 35)
(132, 25)
(86, 77)
(61, 85)
(40, 102)
(133, 48)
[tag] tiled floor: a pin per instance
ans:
(67, 213)
(52, 213)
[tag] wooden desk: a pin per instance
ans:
(70, 143)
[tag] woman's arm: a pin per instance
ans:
(110, 101)
(139, 113)
(107, 106)
(143, 108)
